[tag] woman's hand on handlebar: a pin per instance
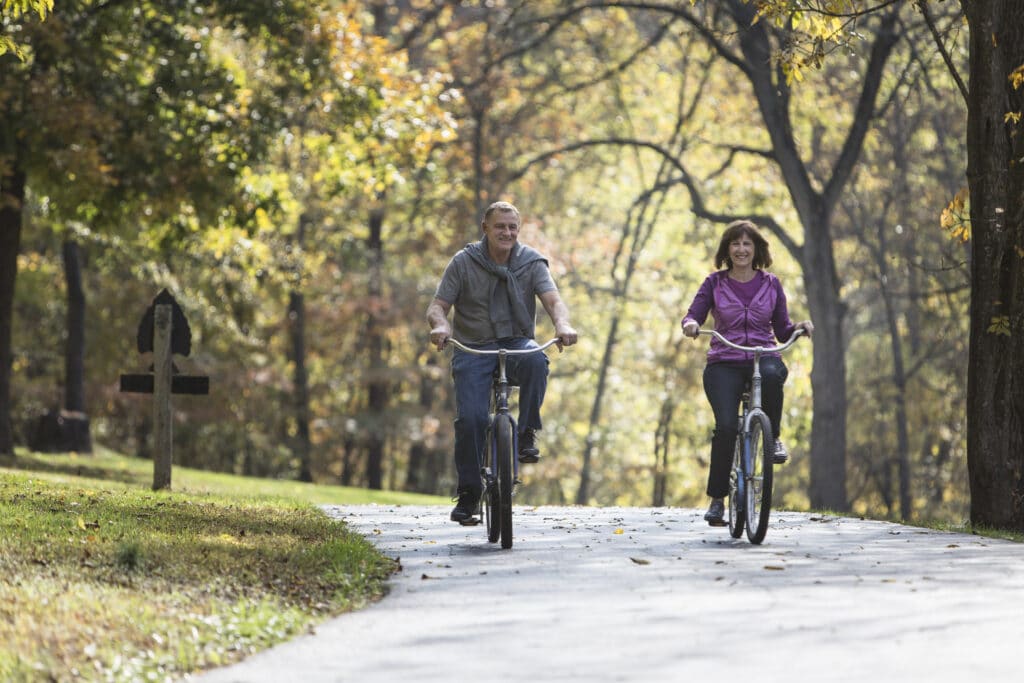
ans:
(807, 326)
(691, 328)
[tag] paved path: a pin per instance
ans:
(654, 594)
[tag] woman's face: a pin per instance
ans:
(741, 252)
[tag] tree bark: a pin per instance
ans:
(426, 460)
(74, 357)
(12, 197)
(75, 421)
(301, 446)
(377, 386)
(995, 176)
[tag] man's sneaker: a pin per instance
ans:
(465, 510)
(715, 516)
(781, 454)
(528, 451)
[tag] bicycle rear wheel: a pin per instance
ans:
(506, 475)
(759, 484)
(737, 491)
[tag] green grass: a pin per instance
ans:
(103, 579)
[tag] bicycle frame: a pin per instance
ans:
(502, 443)
(751, 488)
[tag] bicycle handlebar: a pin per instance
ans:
(494, 352)
(755, 349)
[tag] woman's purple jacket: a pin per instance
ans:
(759, 324)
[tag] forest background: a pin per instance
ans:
(298, 174)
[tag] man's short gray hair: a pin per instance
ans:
(501, 206)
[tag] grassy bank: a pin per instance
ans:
(103, 579)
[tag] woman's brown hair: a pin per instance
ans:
(735, 230)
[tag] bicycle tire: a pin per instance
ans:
(492, 512)
(759, 483)
(737, 491)
(506, 475)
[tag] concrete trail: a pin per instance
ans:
(654, 594)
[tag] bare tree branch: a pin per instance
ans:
(922, 5)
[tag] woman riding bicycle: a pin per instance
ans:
(749, 307)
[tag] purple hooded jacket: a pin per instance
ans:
(760, 323)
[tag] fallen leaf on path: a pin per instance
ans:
(640, 560)
(618, 532)
(774, 567)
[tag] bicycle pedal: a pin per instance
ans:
(472, 521)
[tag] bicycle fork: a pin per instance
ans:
(501, 394)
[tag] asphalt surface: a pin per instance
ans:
(654, 594)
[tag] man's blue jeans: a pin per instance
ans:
(472, 376)
(723, 385)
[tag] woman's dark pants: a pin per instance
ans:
(723, 385)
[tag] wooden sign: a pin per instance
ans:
(164, 330)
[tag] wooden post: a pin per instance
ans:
(162, 397)
(165, 331)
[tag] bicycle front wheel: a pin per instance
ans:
(737, 491)
(503, 456)
(761, 448)
(492, 511)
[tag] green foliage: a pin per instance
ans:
(260, 184)
(13, 10)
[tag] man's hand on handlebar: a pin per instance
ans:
(439, 336)
(567, 336)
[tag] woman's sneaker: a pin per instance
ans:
(781, 454)
(715, 516)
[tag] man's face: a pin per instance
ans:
(502, 230)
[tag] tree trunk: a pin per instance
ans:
(74, 358)
(377, 389)
(426, 460)
(12, 197)
(75, 421)
(583, 491)
(995, 176)
(662, 447)
(301, 446)
(899, 380)
(828, 376)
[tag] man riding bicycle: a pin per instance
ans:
(493, 285)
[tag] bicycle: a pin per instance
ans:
(499, 467)
(751, 477)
